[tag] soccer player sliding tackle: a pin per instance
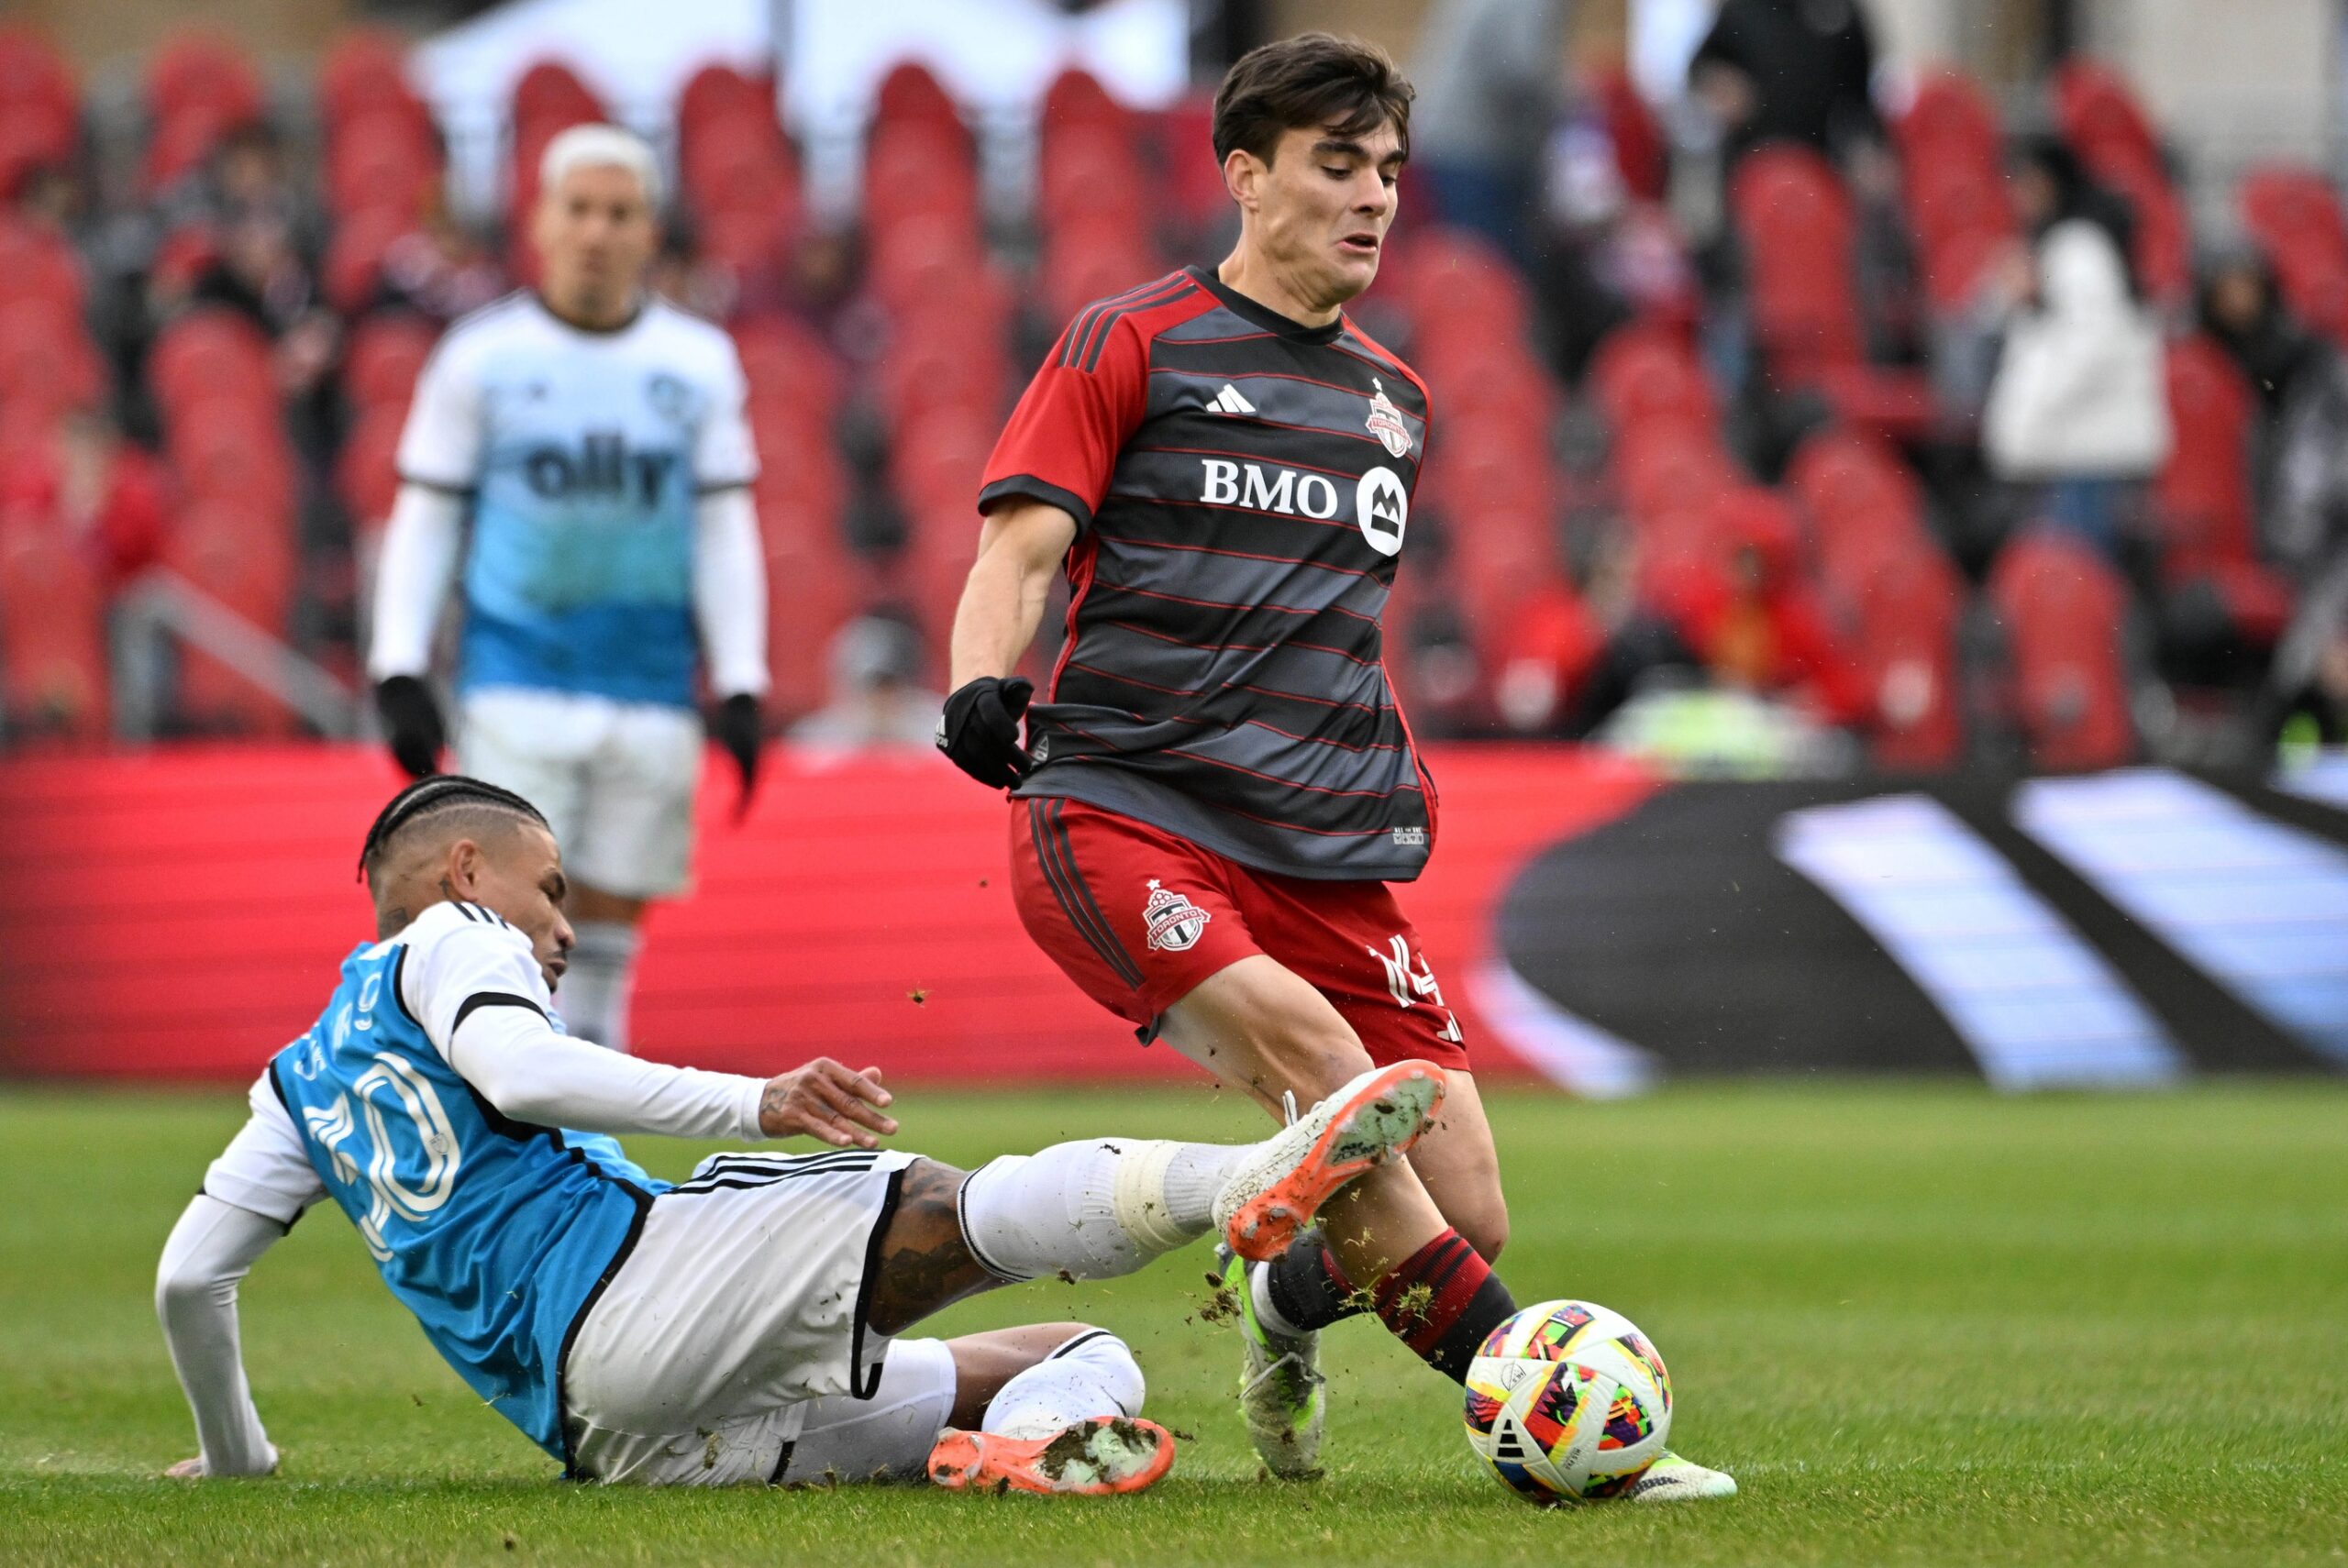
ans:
(1211, 798)
(741, 1325)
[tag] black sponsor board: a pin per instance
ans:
(2113, 930)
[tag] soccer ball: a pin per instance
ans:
(1569, 1403)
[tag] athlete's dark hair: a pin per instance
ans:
(1313, 79)
(438, 795)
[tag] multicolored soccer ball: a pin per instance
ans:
(1569, 1403)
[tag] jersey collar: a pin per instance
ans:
(642, 300)
(1263, 316)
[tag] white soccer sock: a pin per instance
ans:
(1093, 1375)
(596, 987)
(1092, 1209)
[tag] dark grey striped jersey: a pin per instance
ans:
(1242, 484)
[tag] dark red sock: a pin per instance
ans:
(1443, 1302)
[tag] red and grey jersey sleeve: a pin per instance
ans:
(1063, 442)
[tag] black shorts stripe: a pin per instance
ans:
(1058, 833)
(733, 1171)
(1081, 913)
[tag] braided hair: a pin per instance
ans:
(437, 795)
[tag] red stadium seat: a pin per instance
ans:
(918, 171)
(47, 360)
(1645, 372)
(381, 159)
(1076, 102)
(35, 77)
(53, 673)
(196, 73)
(1949, 122)
(242, 558)
(2203, 493)
(352, 275)
(812, 588)
(210, 352)
(718, 92)
(229, 451)
(384, 355)
(39, 108)
(551, 93)
(1907, 611)
(1087, 176)
(177, 146)
(936, 458)
(2099, 116)
(2062, 605)
(784, 360)
(366, 471)
(364, 71)
(1663, 465)
(910, 95)
(1093, 259)
(742, 164)
(1796, 222)
(1190, 181)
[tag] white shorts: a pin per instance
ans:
(732, 1345)
(615, 780)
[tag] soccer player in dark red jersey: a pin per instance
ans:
(1213, 797)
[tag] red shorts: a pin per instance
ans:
(1137, 917)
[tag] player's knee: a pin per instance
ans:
(1115, 1372)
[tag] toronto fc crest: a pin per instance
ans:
(1174, 921)
(1385, 421)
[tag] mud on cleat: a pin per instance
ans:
(1282, 1395)
(1371, 1121)
(1103, 1457)
(1672, 1479)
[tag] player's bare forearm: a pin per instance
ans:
(1020, 551)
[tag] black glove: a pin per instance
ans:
(737, 726)
(412, 724)
(980, 730)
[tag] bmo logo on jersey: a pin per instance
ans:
(1381, 504)
(600, 466)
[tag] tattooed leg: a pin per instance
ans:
(925, 1264)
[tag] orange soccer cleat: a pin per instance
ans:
(1101, 1457)
(1371, 1121)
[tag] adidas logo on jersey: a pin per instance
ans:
(1228, 401)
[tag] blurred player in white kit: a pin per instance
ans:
(593, 436)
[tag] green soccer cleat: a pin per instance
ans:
(1672, 1479)
(1281, 1391)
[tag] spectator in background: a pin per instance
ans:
(1758, 628)
(1789, 71)
(877, 697)
(2077, 412)
(2302, 386)
(438, 268)
(2307, 689)
(95, 487)
(1489, 75)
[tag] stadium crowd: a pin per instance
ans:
(1786, 428)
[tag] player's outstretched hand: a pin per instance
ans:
(825, 1100)
(980, 730)
(412, 724)
(737, 726)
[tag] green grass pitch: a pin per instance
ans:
(1921, 1324)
